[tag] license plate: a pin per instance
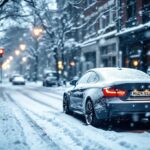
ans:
(140, 93)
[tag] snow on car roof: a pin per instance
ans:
(117, 74)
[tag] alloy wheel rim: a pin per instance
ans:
(89, 113)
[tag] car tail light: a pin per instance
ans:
(111, 92)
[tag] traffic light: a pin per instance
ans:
(1, 52)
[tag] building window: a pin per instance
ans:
(131, 9)
(108, 56)
(107, 17)
(104, 21)
(112, 14)
(91, 57)
(146, 11)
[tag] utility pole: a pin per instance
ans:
(37, 31)
(1, 62)
(1, 72)
(56, 60)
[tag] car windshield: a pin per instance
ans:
(53, 74)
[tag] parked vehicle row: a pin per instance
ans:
(17, 79)
(50, 79)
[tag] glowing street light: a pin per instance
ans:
(24, 59)
(22, 47)
(5, 66)
(72, 63)
(37, 31)
(10, 58)
(60, 65)
(135, 63)
(8, 61)
(17, 52)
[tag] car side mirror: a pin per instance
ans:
(73, 82)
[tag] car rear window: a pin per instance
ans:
(52, 74)
(125, 74)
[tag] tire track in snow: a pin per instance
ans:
(42, 134)
(59, 126)
(38, 101)
(51, 93)
(66, 133)
(56, 123)
(16, 142)
(73, 133)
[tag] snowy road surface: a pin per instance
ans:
(31, 118)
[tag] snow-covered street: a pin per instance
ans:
(31, 117)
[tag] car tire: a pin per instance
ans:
(90, 116)
(66, 108)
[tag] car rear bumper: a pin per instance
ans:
(122, 109)
(18, 83)
(51, 82)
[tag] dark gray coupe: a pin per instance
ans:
(109, 93)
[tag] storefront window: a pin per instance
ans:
(108, 55)
(91, 57)
(146, 11)
(131, 9)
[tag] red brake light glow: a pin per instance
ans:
(113, 92)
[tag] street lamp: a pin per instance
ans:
(72, 63)
(10, 58)
(17, 52)
(24, 59)
(22, 47)
(135, 63)
(8, 61)
(37, 31)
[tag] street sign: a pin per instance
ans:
(2, 52)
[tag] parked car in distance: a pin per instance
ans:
(13, 76)
(18, 80)
(103, 94)
(50, 79)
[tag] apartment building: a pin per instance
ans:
(99, 44)
(134, 33)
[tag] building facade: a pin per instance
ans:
(109, 33)
(134, 33)
(100, 44)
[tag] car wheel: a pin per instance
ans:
(66, 108)
(90, 116)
